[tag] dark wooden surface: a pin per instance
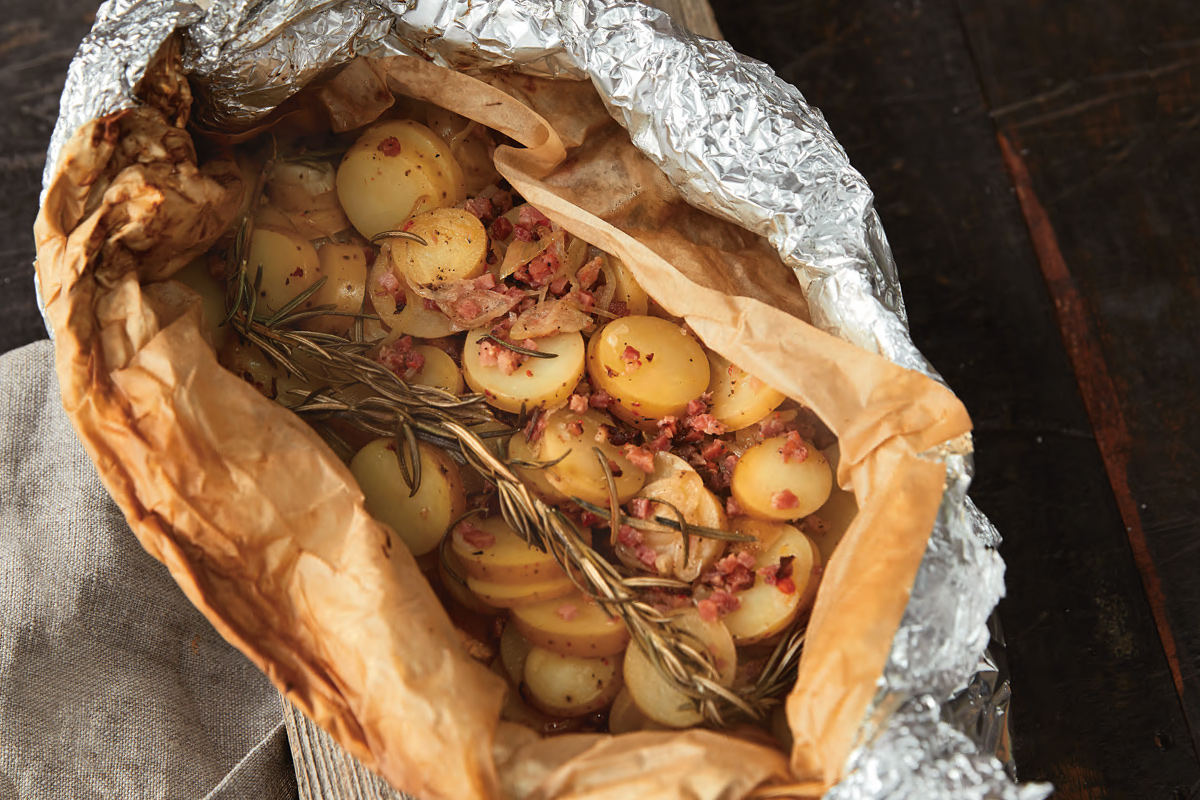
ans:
(1036, 165)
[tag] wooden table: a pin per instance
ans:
(1036, 166)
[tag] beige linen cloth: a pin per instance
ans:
(111, 684)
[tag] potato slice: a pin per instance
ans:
(536, 479)
(738, 398)
(439, 370)
(455, 248)
(767, 609)
(836, 515)
(456, 587)
(197, 277)
(572, 437)
(396, 170)
(569, 686)
(656, 696)
(650, 366)
(514, 649)
(419, 520)
(769, 486)
(572, 625)
(251, 364)
(492, 552)
(628, 290)
(344, 267)
(516, 595)
(302, 185)
(289, 266)
(626, 717)
(536, 382)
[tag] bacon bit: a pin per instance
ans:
(531, 217)
(298, 272)
(632, 358)
(400, 358)
(717, 605)
(732, 507)
(615, 469)
(543, 267)
(568, 611)
(618, 308)
(794, 448)
(772, 426)
(510, 362)
(522, 233)
(629, 536)
(639, 508)
(647, 556)
(481, 207)
(577, 403)
(640, 457)
(586, 300)
(430, 305)
(559, 285)
(501, 229)
(485, 281)
(784, 499)
(601, 399)
(575, 427)
(536, 425)
(489, 353)
(529, 373)
(475, 536)
(389, 284)
(603, 433)
(734, 572)
(695, 407)
(589, 272)
(660, 443)
(713, 450)
(706, 423)
(467, 308)
(389, 146)
(621, 436)
(668, 425)
(588, 520)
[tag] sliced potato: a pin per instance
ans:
(492, 552)
(628, 290)
(650, 366)
(769, 486)
(439, 370)
(536, 479)
(516, 595)
(537, 382)
(656, 696)
(419, 520)
(344, 267)
(836, 515)
(251, 364)
(738, 398)
(197, 277)
(302, 185)
(569, 686)
(767, 609)
(626, 717)
(572, 625)
(514, 649)
(455, 248)
(572, 438)
(456, 587)
(289, 266)
(396, 170)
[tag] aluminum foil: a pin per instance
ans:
(738, 142)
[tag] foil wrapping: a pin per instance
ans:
(738, 142)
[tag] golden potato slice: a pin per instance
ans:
(419, 520)
(516, 595)
(289, 266)
(396, 170)
(626, 717)
(569, 686)
(628, 290)
(457, 587)
(572, 437)
(492, 552)
(455, 248)
(514, 649)
(572, 625)
(768, 485)
(536, 479)
(251, 364)
(766, 608)
(536, 382)
(302, 185)
(650, 366)
(655, 695)
(344, 267)
(738, 398)
(439, 370)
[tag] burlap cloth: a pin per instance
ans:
(111, 684)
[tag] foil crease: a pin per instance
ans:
(738, 142)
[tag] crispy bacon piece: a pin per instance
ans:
(603, 432)
(717, 605)
(772, 426)
(481, 207)
(706, 424)
(647, 557)
(400, 358)
(732, 507)
(784, 499)
(589, 272)
(632, 358)
(794, 448)
(629, 536)
(659, 443)
(668, 425)
(489, 353)
(697, 406)
(639, 508)
(618, 308)
(567, 611)
(523, 233)
(390, 146)
(475, 536)
(531, 217)
(601, 399)
(388, 284)
(501, 229)
(577, 403)
(575, 427)
(640, 457)
(713, 450)
(734, 572)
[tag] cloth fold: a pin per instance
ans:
(111, 683)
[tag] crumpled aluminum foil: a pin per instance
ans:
(738, 142)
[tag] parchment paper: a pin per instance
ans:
(265, 530)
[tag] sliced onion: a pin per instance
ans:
(550, 317)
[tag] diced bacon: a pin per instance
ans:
(732, 507)
(390, 146)
(575, 427)
(603, 433)
(713, 450)
(567, 611)
(400, 358)
(489, 353)
(664, 601)
(696, 406)
(485, 281)
(510, 361)
(501, 229)
(430, 305)
(640, 457)
(647, 556)
(587, 300)
(784, 499)
(387, 283)
(481, 207)
(621, 436)
(632, 358)
(589, 272)
(629, 536)
(577, 403)
(639, 507)
(717, 605)
(530, 217)
(588, 520)
(794, 448)
(559, 285)
(601, 399)
(706, 423)
(734, 572)
(543, 267)
(474, 536)
(536, 426)
(618, 308)
(467, 308)
(771, 426)
(660, 443)
(523, 233)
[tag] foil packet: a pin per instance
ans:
(737, 142)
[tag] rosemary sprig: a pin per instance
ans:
(525, 351)
(675, 524)
(412, 237)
